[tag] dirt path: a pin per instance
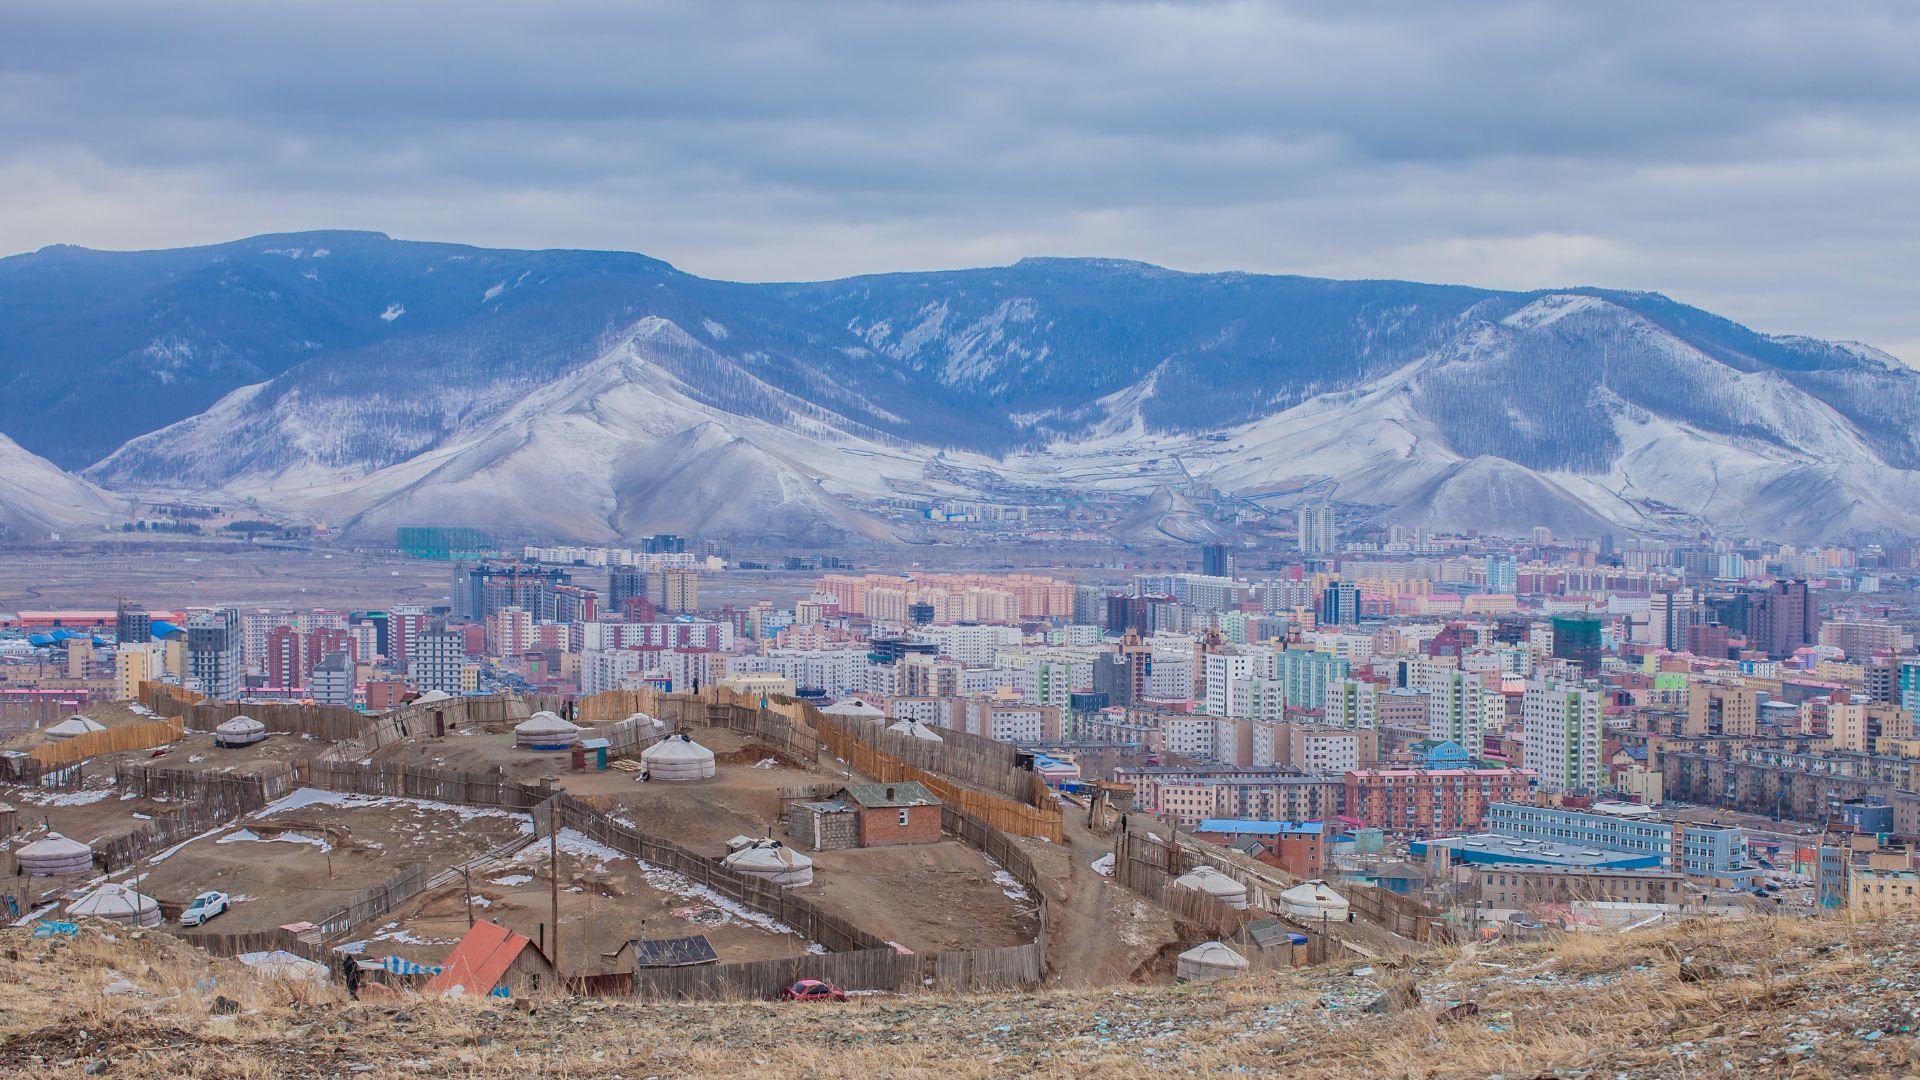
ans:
(1101, 933)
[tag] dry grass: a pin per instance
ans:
(1724, 999)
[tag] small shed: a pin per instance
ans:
(118, 904)
(668, 952)
(1209, 961)
(74, 725)
(240, 731)
(53, 855)
(824, 825)
(545, 731)
(1314, 900)
(1215, 884)
(903, 812)
(677, 758)
(774, 862)
(491, 957)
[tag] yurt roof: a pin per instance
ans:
(241, 725)
(76, 725)
(112, 900)
(781, 857)
(914, 728)
(680, 748)
(852, 707)
(1313, 892)
(1210, 880)
(53, 845)
(433, 695)
(1213, 952)
(643, 718)
(545, 723)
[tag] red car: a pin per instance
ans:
(813, 990)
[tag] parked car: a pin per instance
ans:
(204, 907)
(813, 990)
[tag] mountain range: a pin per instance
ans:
(597, 396)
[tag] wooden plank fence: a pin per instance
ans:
(1000, 813)
(230, 945)
(1402, 915)
(143, 736)
(206, 801)
(1148, 866)
(468, 789)
(374, 902)
(864, 969)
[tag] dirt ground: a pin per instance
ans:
(301, 859)
(928, 897)
(605, 901)
(1101, 933)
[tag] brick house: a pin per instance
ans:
(903, 812)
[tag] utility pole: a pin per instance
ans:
(466, 874)
(553, 871)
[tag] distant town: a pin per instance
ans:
(1276, 756)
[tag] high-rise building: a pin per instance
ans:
(1670, 615)
(213, 653)
(1576, 638)
(1454, 711)
(1783, 618)
(1306, 674)
(1318, 534)
(332, 680)
(674, 590)
(1563, 726)
(1215, 561)
(490, 588)
(133, 665)
(285, 656)
(1907, 686)
(1340, 604)
(1350, 703)
(624, 582)
(1503, 573)
(132, 625)
(435, 657)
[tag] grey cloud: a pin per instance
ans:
(1755, 158)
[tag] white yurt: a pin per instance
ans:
(54, 854)
(74, 725)
(916, 729)
(1313, 899)
(1209, 961)
(281, 964)
(856, 708)
(242, 730)
(774, 862)
(677, 758)
(1215, 884)
(431, 696)
(643, 723)
(118, 903)
(545, 731)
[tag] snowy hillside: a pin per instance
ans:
(599, 394)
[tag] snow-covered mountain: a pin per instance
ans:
(601, 395)
(37, 498)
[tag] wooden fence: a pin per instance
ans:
(374, 902)
(864, 969)
(803, 915)
(1148, 866)
(143, 736)
(469, 789)
(1011, 968)
(1402, 915)
(255, 941)
(1000, 813)
(206, 802)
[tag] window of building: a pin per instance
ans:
(903, 816)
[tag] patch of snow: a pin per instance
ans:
(248, 835)
(718, 331)
(511, 880)
(393, 312)
(493, 292)
(63, 798)
(351, 948)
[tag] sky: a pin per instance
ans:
(1759, 160)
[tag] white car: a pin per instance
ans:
(204, 907)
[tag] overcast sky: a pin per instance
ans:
(1758, 160)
